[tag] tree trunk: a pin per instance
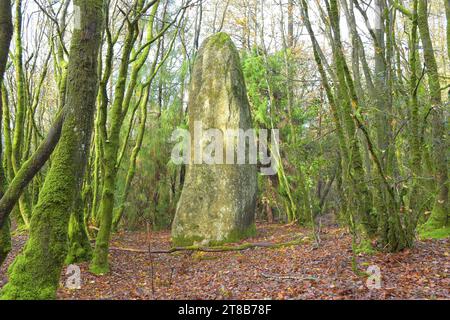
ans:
(447, 14)
(439, 216)
(415, 138)
(19, 119)
(79, 245)
(99, 264)
(349, 110)
(290, 37)
(29, 169)
(134, 154)
(35, 272)
(6, 31)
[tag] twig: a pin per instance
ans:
(288, 277)
(150, 254)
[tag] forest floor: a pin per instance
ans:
(305, 271)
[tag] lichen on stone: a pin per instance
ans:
(217, 204)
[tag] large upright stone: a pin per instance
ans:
(217, 204)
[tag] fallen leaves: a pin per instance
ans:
(295, 272)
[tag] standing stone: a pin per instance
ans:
(217, 204)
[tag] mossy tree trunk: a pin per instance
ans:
(111, 144)
(29, 169)
(119, 109)
(80, 249)
(387, 202)
(79, 245)
(343, 149)
(6, 119)
(6, 31)
(35, 272)
(134, 154)
(60, 55)
(440, 214)
(8, 173)
(349, 109)
(21, 108)
(415, 138)
(100, 121)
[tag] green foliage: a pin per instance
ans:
(152, 196)
(265, 85)
(303, 160)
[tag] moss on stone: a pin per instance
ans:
(232, 237)
(436, 227)
(217, 204)
(219, 39)
(236, 236)
(185, 241)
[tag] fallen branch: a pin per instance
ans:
(287, 277)
(241, 247)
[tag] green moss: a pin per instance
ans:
(5, 241)
(219, 39)
(237, 235)
(182, 241)
(440, 233)
(365, 247)
(100, 264)
(79, 246)
(36, 271)
(437, 220)
(78, 254)
(99, 269)
(34, 274)
(436, 226)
